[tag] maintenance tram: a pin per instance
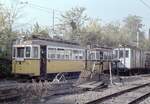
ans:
(130, 58)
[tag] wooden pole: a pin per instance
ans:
(110, 73)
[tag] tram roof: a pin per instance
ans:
(128, 46)
(102, 49)
(55, 40)
(50, 41)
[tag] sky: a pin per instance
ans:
(106, 10)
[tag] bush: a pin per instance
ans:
(5, 68)
(34, 92)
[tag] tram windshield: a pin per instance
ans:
(25, 52)
(20, 52)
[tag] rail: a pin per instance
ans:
(140, 99)
(100, 100)
(8, 92)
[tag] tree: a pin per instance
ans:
(92, 33)
(40, 31)
(132, 26)
(111, 34)
(8, 18)
(72, 22)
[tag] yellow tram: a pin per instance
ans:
(40, 57)
(47, 57)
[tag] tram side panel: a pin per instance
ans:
(147, 61)
(137, 59)
(100, 57)
(65, 60)
(59, 66)
(26, 67)
(25, 61)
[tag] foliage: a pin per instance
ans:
(132, 27)
(34, 92)
(113, 34)
(72, 21)
(38, 30)
(92, 33)
(5, 68)
(8, 17)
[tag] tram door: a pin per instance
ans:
(43, 61)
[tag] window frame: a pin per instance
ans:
(38, 46)
(126, 55)
(116, 53)
(17, 52)
(68, 50)
(78, 54)
(122, 53)
(25, 51)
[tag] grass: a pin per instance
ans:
(34, 92)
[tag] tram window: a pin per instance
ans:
(127, 53)
(80, 57)
(20, 52)
(66, 56)
(97, 55)
(121, 54)
(116, 53)
(28, 49)
(92, 56)
(75, 51)
(52, 56)
(61, 56)
(101, 55)
(76, 57)
(58, 56)
(52, 53)
(60, 53)
(35, 52)
(105, 55)
(109, 55)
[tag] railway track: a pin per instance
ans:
(140, 99)
(132, 95)
(9, 92)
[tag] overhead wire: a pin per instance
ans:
(44, 8)
(144, 3)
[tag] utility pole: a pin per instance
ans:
(137, 37)
(53, 20)
(149, 34)
(47, 10)
(110, 73)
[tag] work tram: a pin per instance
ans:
(40, 57)
(131, 59)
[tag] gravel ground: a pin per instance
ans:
(82, 98)
(146, 101)
(128, 97)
